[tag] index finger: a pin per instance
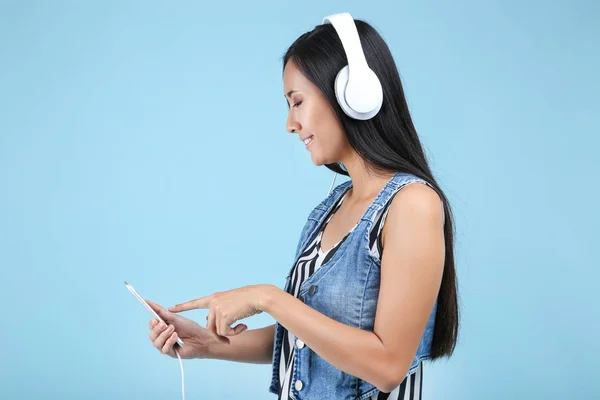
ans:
(202, 302)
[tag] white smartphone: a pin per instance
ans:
(147, 307)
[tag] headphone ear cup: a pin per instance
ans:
(341, 82)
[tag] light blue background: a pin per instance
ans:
(145, 141)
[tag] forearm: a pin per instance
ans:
(251, 346)
(355, 351)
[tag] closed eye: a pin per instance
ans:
(297, 104)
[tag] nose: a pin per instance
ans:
(292, 125)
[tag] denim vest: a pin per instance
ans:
(345, 289)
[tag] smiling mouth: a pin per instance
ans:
(308, 140)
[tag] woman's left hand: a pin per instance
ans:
(225, 308)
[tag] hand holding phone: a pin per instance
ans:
(147, 307)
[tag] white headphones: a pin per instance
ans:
(357, 88)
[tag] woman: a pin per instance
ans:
(372, 292)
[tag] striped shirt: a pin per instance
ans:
(309, 261)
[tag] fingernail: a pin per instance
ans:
(172, 308)
(153, 323)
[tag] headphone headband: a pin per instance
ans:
(346, 30)
(357, 88)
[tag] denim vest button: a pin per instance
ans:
(312, 290)
(299, 343)
(298, 385)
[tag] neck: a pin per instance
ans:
(366, 184)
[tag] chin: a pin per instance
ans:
(318, 161)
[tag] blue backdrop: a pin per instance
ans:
(145, 141)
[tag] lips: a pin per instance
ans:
(307, 140)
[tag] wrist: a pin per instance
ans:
(211, 350)
(267, 294)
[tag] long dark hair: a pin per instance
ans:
(388, 141)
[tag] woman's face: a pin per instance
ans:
(311, 116)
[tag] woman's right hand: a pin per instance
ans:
(196, 339)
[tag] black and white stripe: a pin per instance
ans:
(309, 261)
(410, 388)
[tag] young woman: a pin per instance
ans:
(372, 292)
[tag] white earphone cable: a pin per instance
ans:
(332, 182)
(182, 376)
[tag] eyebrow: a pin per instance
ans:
(290, 93)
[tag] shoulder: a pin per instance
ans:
(418, 197)
(415, 204)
